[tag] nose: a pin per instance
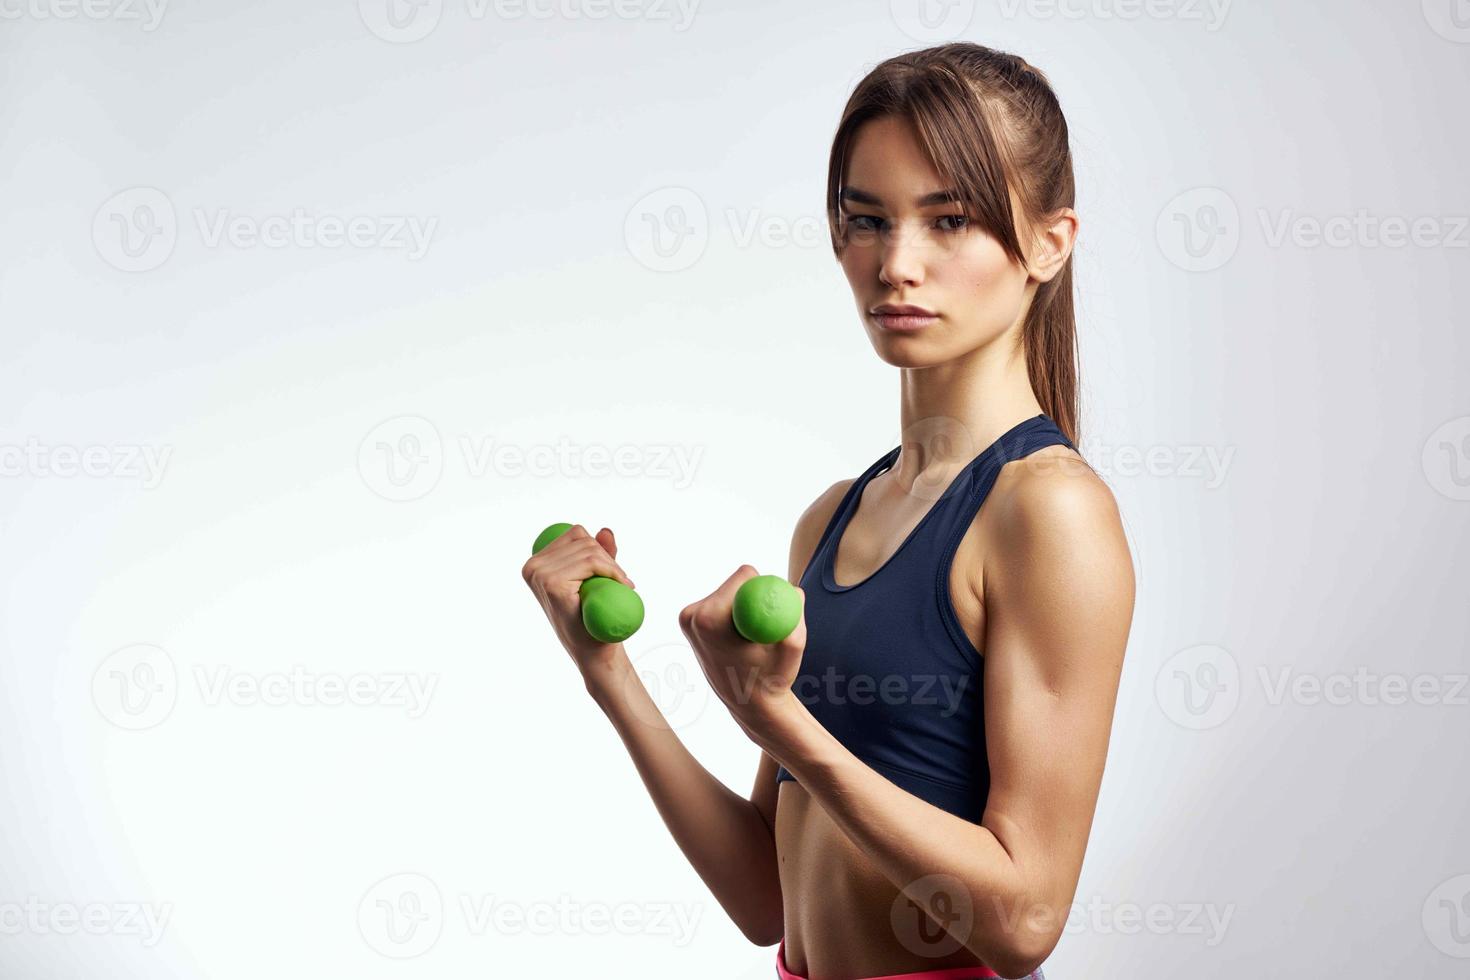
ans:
(903, 261)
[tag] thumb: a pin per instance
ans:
(608, 542)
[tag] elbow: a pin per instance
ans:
(1014, 968)
(766, 935)
(1023, 957)
(767, 932)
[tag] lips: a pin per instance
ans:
(895, 309)
(903, 317)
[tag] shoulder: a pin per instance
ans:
(1052, 489)
(1053, 515)
(811, 524)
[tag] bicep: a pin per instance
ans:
(1059, 603)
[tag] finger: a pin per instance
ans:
(568, 550)
(585, 563)
(725, 594)
(715, 608)
(609, 544)
(795, 642)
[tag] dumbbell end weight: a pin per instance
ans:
(766, 609)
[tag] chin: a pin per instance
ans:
(906, 350)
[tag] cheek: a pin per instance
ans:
(859, 265)
(981, 275)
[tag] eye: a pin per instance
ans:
(856, 218)
(956, 217)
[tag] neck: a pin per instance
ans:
(951, 412)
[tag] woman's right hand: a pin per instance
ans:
(556, 573)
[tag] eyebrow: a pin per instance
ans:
(858, 196)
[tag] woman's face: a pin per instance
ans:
(903, 250)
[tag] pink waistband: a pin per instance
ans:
(953, 973)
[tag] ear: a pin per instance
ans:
(1052, 245)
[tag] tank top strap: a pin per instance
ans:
(960, 508)
(847, 504)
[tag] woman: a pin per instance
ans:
(934, 732)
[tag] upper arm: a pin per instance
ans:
(809, 528)
(1059, 602)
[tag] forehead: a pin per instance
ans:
(886, 155)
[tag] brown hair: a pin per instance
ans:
(991, 123)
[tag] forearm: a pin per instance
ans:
(721, 833)
(909, 839)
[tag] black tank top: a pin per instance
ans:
(887, 670)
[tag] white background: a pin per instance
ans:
(282, 388)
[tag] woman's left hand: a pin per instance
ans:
(752, 679)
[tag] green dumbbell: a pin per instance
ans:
(766, 610)
(611, 611)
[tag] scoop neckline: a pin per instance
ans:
(829, 561)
